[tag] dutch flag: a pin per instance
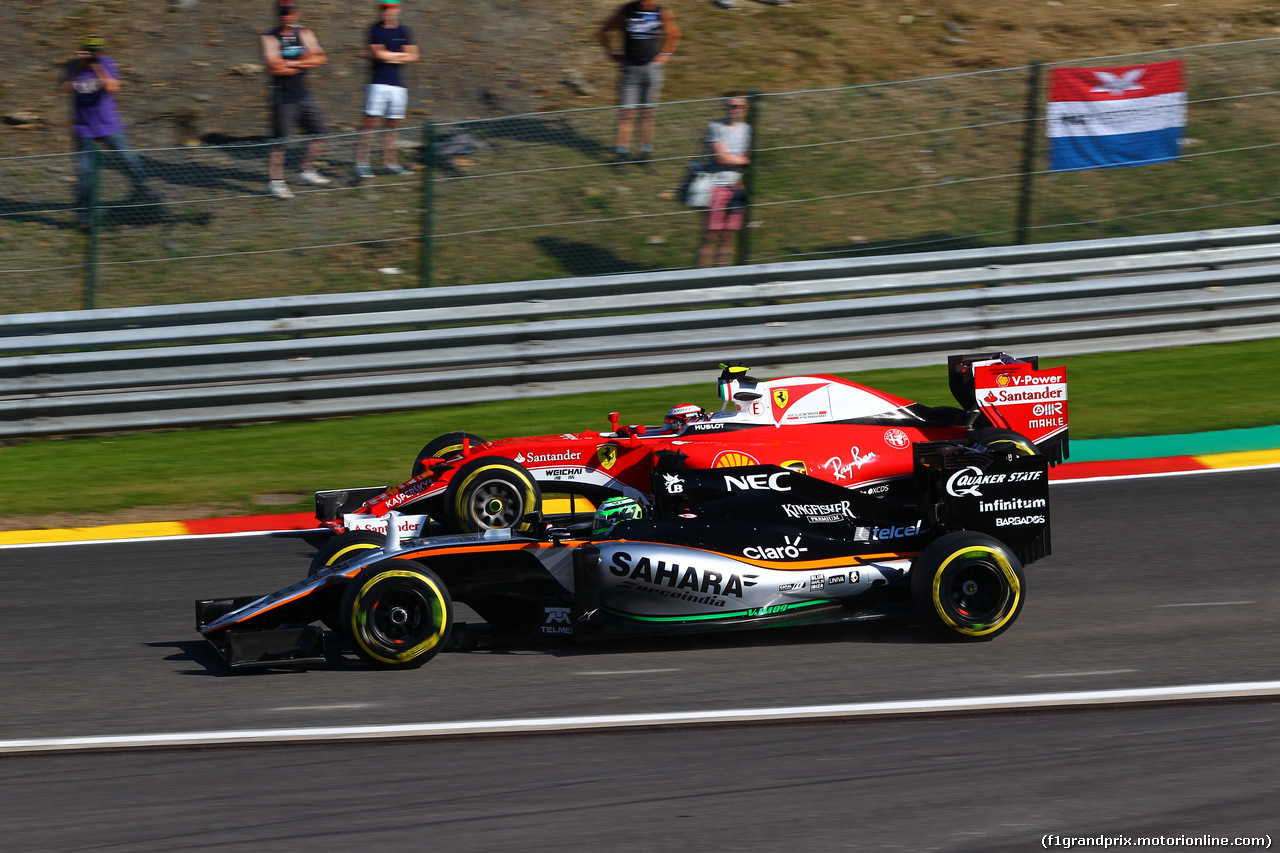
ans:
(1127, 116)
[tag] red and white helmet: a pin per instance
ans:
(682, 414)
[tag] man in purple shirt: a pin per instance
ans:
(92, 79)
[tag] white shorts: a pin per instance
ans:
(386, 101)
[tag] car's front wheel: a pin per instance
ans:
(397, 614)
(968, 585)
(490, 493)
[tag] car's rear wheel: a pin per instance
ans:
(491, 493)
(968, 586)
(397, 614)
(442, 447)
(1006, 439)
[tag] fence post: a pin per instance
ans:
(1030, 137)
(426, 258)
(749, 176)
(94, 220)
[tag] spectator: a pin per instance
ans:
(729, 147)
(289, 50)
(649, 38)
(92, 79)
(392, 45)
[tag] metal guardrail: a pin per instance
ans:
(317, 356)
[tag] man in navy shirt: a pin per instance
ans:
(649, 38)
(290, 50)
(392, 45)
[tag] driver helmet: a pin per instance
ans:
(682, 414)
(613, 510)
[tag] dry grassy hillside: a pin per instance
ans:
(191, 65)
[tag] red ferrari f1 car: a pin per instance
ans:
(822, 426)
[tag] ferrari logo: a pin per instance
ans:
(607, 454)
(784, 398)
(797, 465)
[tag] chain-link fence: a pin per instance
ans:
(944, 162)
(198, 224)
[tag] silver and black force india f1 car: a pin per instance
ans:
(725, 548)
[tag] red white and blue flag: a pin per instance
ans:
(1127, 116)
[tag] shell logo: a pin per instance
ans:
(1002, 379)
(733, 459)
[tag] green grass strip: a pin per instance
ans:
(1192, 444)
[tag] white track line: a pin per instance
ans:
(1079, 674)
(626, 671)
(807, 713)
(358, 706)
(1205, 604)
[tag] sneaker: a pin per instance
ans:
(279, 190)
(395, 169)
(363, 171)
(311, 176)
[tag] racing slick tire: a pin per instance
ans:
(1006, 439)
(442, 447)
(489, 493)
(396, 614)
(968, 586)
(342, 548)
(345, 547)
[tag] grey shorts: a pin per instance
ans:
(305, 114)
(640, 84)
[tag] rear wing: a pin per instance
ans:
(1015, 394)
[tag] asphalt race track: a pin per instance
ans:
(1154, 582)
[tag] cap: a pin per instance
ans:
(390, 2)
(91, 43)
(285, 7)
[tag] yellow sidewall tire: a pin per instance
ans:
(1007, 613)
(479, 473)
(345, 547)
(443, 446)
(968, 585)
(350, 549)
(427, 598)
(1005, 439)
